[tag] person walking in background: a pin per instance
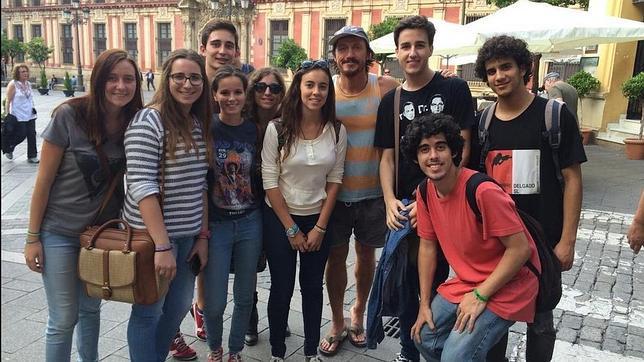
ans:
(561, 91)
(53, 81)
(149, 77)
(74, 82)
(360, 208)
(492, 287)
(424, 90)
(547, 188)
(21, 119)
(71, 185)
(234, 213)
(173, 130)
(636, 230)
(302, 166)
(264, 95)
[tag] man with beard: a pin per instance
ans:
(414, 37)
(360, 208)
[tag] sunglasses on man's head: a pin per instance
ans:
(275, 88)
(322, 63)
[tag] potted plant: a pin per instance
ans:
(43, 89)
(584, 83)
(634, 89)
(68, 89)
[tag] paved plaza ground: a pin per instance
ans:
(600, 317)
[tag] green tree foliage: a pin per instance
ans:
(634, 87)
(382, 29)
(11, 48)
(289, 55)
(583, 82)
(67, 83)
(43, 79)
(38, 51)
(504, 3)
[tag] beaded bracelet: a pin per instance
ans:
(163, 248)
(480, 297)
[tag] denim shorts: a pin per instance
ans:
(366, 219)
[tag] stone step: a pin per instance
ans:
(612, 138)
(632, 125)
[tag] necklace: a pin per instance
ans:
(24, 88)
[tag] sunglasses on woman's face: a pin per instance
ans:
(322, 63)
(275, 88)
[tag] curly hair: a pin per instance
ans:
(415, 22)
(431, 124)
(504, 46)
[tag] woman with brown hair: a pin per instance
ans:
(302, 167)
(167, 160)
(82, 151)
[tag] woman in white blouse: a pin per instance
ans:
(302, 167)
(20, 105)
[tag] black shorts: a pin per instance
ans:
(366, 219)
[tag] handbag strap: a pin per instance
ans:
(396, 134)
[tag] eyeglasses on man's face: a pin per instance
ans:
(180, 78)
(321, 63)
(274, 88)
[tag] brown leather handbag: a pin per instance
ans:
(118, 264)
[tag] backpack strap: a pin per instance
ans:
(470, 192)
(336, 128)
(422, 188)
(484, 124)
(553, 134)
(396, 134)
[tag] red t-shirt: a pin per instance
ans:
(473, 249)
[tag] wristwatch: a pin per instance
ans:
(292, 231)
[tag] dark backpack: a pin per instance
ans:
(552, 135)
(550, 276)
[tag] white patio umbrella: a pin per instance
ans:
(451, 39)
(548, 28)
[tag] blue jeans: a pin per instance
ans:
(445, 344)
(282, 262)
(240, 239)
(152, 327)
(68, 303)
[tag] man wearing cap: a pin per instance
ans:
(562, 91)
(424, 90)
(360, 208)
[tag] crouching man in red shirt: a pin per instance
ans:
(492, 287)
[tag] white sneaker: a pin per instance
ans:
(9, 155)
(276, 359)
(315, 358)
(33, 160)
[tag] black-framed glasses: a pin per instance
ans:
(321, 63)
(275, 88)
(180, 78)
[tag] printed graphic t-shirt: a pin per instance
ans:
(520, 159)
(441, 95)
(474, 250)
(231, 179)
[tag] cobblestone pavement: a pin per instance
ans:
(600, 317)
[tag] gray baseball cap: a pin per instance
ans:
(350, 30)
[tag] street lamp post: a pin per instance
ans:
(75, 17)
(214, 5)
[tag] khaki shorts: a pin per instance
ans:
(366, 219)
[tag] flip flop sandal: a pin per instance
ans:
(330, 339)
(354, 331)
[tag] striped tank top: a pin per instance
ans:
(358, 113)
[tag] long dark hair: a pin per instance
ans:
(90, 109)
(177, 124)
(225, 72)
(292, 108)
(253, 109)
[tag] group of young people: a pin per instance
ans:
(222, 166)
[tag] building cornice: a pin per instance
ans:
(119, 5)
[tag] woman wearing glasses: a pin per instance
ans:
(234, 214)
(302, 167)
(169, 199)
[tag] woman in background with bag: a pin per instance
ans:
(20, 104)
(167, 160)
(70, 188)
(302, 167)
